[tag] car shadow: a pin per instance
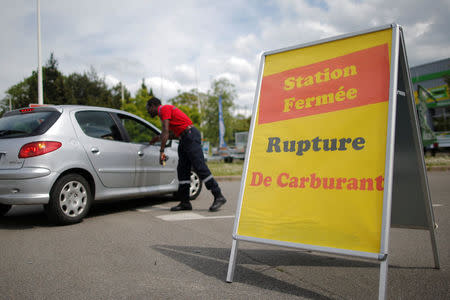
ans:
(30, 216)
(214, 262)
(118, 206)
(24, 217)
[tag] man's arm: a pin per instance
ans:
(163, 137)
(154, 139)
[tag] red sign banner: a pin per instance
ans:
(348, 81)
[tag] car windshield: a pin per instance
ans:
(23, 125)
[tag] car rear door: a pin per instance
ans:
(112, 158)
(149, 172)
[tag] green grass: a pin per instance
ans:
(220, 168)
(438, 160)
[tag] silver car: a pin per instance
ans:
(65, 157)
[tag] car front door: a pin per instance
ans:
(112, 158)
(149, 172)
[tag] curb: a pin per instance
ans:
(228, 178)
(438, 168)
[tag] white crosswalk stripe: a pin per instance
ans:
(189, 216)
(177, 216)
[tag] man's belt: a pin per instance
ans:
(186, 130)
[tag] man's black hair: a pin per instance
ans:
(153, 101)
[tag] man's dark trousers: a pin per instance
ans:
(190, 155)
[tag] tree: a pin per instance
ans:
(116, 92)
(240, 123)
(188, 103)
(210, 108)
(86, 89)
(53, 82)
(138, 105)
(25, 92)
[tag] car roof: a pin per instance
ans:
(69, 108)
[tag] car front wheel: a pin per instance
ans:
(4, 208)
(70, 200)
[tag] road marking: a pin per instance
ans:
(189, 216)
(437, 205)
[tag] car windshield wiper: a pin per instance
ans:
(8, 132)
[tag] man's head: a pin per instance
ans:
(152, 106)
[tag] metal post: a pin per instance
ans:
(40, 89)
(232, 262)
(421, 160)
(434, 246)
(383, 279)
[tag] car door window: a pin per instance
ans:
(138, 132)
(98, 124)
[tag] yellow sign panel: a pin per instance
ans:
(315, 174)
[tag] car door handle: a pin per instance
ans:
(95, 150)
(140, 153)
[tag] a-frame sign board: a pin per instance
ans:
(334, 156)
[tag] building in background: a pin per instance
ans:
(431, 76)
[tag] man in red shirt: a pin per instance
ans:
(190, 153)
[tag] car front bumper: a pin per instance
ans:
(26, 186)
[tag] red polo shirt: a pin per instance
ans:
(178, 120)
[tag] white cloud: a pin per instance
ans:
(111, 80)
(246, 44)
(421, 29)
(185, 73)
(190, 43)
(232, 77)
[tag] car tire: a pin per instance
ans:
(4, 208)
(196, 186)
(194, 189)
(70, 200)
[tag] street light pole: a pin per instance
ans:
(40, 89)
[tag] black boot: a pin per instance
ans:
(218, 202)
(182, 206)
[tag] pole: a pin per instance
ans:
(198, 103)
(40, 89)
(232, 261)
(382, 292)
(198, 97)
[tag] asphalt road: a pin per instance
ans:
(139, 250)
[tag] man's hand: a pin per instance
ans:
(162, 158)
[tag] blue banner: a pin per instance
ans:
(222, 143)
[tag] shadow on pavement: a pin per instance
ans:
(25, 218)
(30, 216)
(214, 262)
(112, 207)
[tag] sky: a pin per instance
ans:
(176, 46)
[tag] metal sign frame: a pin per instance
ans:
(398, 59)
